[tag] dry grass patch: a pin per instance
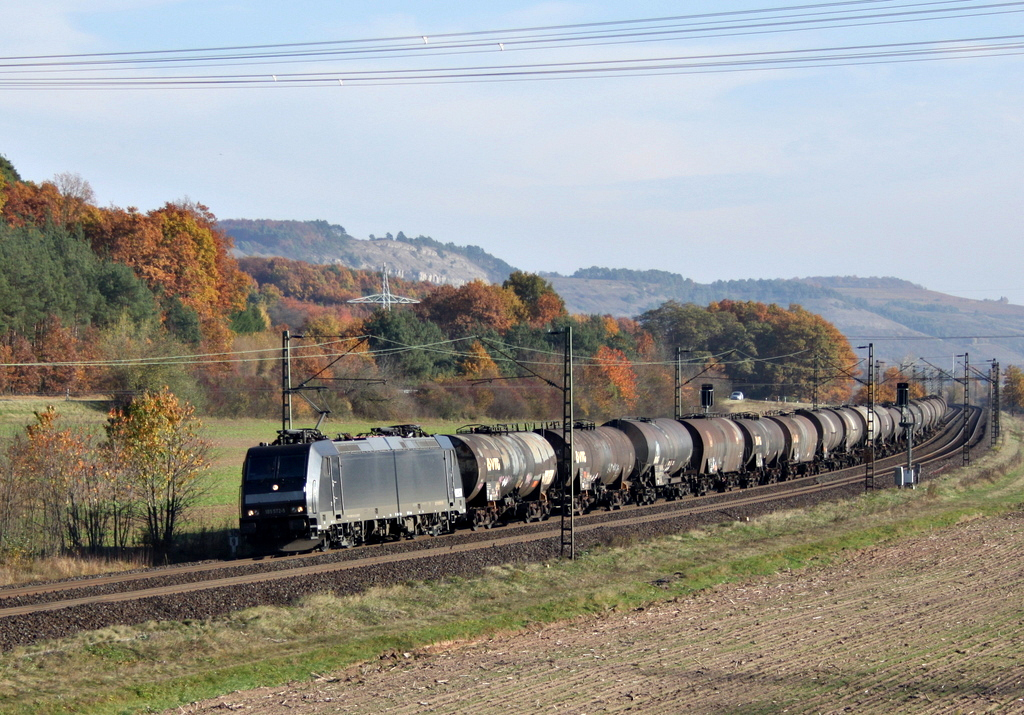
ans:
(17, 570)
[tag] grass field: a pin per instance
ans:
(229, 438)
(166, 665)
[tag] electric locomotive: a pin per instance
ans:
(306, 491)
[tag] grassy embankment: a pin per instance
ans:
(161, 665)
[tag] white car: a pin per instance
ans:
(736, 395)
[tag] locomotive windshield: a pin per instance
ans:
(261, 467)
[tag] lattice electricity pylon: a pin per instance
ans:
(385, 297)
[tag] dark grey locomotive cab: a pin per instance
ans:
(273, 494)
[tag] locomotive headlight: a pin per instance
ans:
(298, 509)
(252, 512)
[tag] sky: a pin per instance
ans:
(877, 168)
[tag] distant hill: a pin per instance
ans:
(897, 315)
(627, 292)
(416, 259)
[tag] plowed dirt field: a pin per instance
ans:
(929, 625)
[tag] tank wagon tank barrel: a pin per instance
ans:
(801, 443)
(718, 450)
(505, 475)
(763, 444)
(662, 450)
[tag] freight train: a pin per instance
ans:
(306, 491)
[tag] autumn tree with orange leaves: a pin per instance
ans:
(55, 498)
(765, 349)
(179, 252)
(30, 204)
(63, 492)
(153, 444)
(69, 271)
(607, 385)
(1012, 396)
(477, 364)
(471, 308)
(541, 304)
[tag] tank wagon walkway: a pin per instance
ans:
(931, 625)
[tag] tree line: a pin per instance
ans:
(90, 297)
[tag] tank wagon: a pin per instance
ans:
(306, 491)
(801, 445)
(662, 450)
(718, 451)
(603, 460)
(505, 474)
(763, 442)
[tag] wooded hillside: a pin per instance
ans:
(121, 301)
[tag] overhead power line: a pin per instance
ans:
(779, 19)
(335, 61)
(901, 338)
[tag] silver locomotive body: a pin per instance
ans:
(328, 493)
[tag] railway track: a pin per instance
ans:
(30, 613)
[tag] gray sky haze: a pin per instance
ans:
(846, 162)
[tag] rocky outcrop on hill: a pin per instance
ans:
(416, 259)
(902, 319)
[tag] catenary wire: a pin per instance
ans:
(959, 6)
(898, 52)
